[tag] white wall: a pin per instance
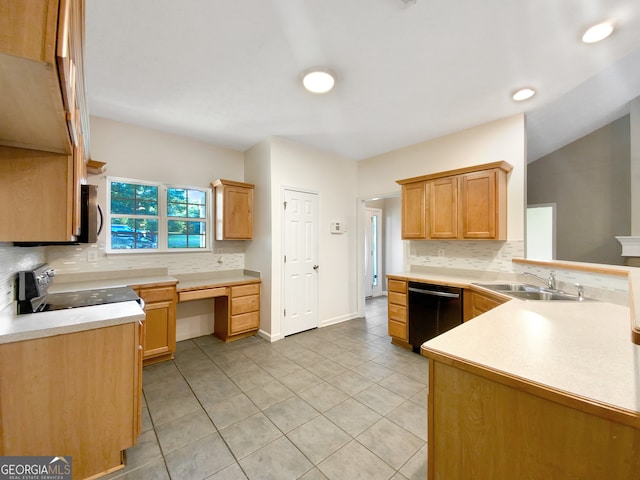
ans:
(334, 179)
(499, 140)
(145, 154)
(258, 253)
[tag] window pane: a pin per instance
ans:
(197, 211)
(146, 208)
(176, 195)
(196, 228)
(147, 192)
(196, 241)
(197, 197)
(176, 210)
(177, 226)
(122, 206)
(122, 190)
(122, 233)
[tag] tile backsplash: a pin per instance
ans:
(75, 259)
(468, 254)
(12, 260)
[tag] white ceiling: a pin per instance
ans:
(227, 71)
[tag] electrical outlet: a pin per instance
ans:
(441, 252)
(92, 255)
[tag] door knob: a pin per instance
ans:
(315, 267)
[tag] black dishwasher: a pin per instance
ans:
(433, 309)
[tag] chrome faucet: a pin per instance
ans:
(550, 282)
(580, 291)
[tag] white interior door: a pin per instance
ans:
(301, 268)
(373, 252)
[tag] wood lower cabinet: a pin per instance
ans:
(237, 315)
(234, 210)
(464, 204)
(76, 394)
(485, 425)
(477, 303)
(398, 312)
(160, 324)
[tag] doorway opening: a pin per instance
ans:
(541, 231)
(373, 252)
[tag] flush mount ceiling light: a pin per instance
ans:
(523, 94)
(597, 32)
(318, 80)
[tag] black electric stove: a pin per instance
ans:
(32, 293)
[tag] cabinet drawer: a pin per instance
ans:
(398, 298)
(245, 322)
(398, 330)
(397, 286)
(250, 303)
(398, 313)
(242, 290)
(161, 294)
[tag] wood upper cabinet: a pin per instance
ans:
(44, 126)
(42, 106)
(160, 324)
(413, 210)
(234, 210)
(464, 204)
(443, 212)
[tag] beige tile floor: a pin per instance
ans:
(338, 402)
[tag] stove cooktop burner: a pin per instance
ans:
(87, 298)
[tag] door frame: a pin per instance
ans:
(283, 227)
(377, 291)
(361, 225)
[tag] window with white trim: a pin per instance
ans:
(154, 217)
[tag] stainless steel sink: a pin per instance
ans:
(510, 287)
(530, 292)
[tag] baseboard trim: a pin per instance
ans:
(336, 320)
(269, 337)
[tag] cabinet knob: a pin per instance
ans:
(139, 347)
(315, 267)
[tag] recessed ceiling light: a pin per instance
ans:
(597, 32)
(318, 80)
(523, 94)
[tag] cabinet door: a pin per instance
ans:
(443, 213)
(160, 324)
(478, 205)
(413, 211)
(397, 310)
(238, 213)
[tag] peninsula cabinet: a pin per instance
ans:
(489, 425)
(476, 303)
(76, 394)
(160, 324)
(397, 312)
(464, 204)
(234, 210)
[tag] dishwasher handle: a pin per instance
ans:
(432, 292)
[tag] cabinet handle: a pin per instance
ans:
(139, 347)
(140, 322)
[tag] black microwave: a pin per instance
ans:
(91, 220)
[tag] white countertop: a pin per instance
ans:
(580, 348)
(15, 328)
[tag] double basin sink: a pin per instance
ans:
(530, 292)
